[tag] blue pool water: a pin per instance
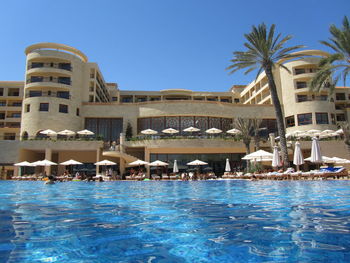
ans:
(212, 221)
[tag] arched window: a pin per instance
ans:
(25, 135)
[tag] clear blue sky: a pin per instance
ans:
(159, 44)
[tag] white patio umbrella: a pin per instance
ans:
(340, 160)
(197, 162)
(276, 161)
(85, 132)
(234, 131)
(170, 131)
(49, 132)
(66, 132)
(259, 155)
(213, 131)
(316, 156)
(298, 156)
(149, 132)
(105, 162)
(191, 129)
(43, 163)
(175, 168)
(325, 159)
(70, 162)
(138, 162)
(158, 163)
(227, 166)
(340, 131)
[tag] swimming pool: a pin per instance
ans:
(208, 221)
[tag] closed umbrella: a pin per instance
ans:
(316, 156)
(227, 166)
(276, 162)
(175, 168)
(298, 156)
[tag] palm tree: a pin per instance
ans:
(264, 52)
(338, 63)
(256, 123)
(246, 127)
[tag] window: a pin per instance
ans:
(236, 100)
(340, 96)
(302, 98)
(2, 115)
(16, 115)
(27, 108)
(341, 117)
(10, 136)
(36, 79)
(299, 71)
(65, 66)
(2, 103)
(114, 98)
(13, 92)
(91, 98)
(78, 112)
(64, 80)
(37, 65)
(1, 92)
(63, 94)
(44, 107)
(322, 118)
(301, 84)
(304, 119)
(340, 106)
(126, 99)
(290, 121)
(63, 108)
(35, 93)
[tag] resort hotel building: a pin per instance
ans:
(63, 90)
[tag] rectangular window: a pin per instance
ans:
(78, 112)
(44, 107)
(301, 84)
(2, 103)
(63, 108)
(36, 79)
(65, 66)
(299, 71)
(10, 136)
(302, 98)
(304, 119)
(13, 92)
(2, 115)
(35, 93)
(341, 117)
(290, 121)
(322, 118)
(63, 94)
(1, 92)
(37, 65)
(236, 100)
(64, 80)
(340, 96)
(27, 108)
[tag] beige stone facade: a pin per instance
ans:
(63, 90)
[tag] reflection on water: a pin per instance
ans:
(212, 221)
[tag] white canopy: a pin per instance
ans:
(213, 131)
(191, 129)
(276, 161)
(105, 162)
(197, 162)
(149, 132)
(70, 162)
(234, 131)
(227, 166)
(43, 163)
(48, 132)
(313, 132)
(340, 131)
(175, 168)
(138, 162)
(340, 160)
(158, 163)
(25, 163)
(324, 159)
(85, 132)
(170, 131)
(327, 132)
(260, 154)
(66, 132)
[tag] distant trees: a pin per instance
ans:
(264, 51)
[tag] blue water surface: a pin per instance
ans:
(203, 221)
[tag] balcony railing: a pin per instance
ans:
(48, 79)
(67, 67)
(48, 94)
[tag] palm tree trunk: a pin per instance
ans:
(247, 149)
(279, 115)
